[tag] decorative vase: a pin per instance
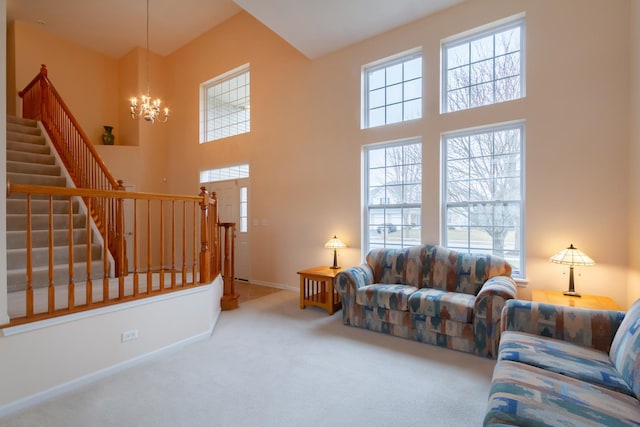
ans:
(107, 136)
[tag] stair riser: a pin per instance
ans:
(16, 279)
(21, 156)
(40, 238)
(17, 258)
(20, 128)
(33, 168)
(19, 206)
(28, 147)
(26, 179)
(41, 222)
(21, 121)
(25, 138)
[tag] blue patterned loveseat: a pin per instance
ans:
(430, 294)
(566, 366)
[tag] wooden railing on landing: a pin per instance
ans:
(41, 101)
(172, 250)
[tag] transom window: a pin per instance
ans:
(225, 105)
(224, 174)
(484, 68)
(483, 192)
(393, 194)
(392, 90)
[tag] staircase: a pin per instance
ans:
(30, 161)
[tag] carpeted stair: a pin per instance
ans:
(30, 161)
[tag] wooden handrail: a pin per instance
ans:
(41, 101)
(106, 295)
(43, 76)
(104, 198)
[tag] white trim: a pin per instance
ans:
(274, 285)
(33, 326)
(77, 383)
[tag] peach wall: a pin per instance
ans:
(305, 144)
(634, 198)
(86, 80)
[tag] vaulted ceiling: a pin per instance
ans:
(314, 27)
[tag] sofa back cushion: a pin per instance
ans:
(625, 348)
(432, 266)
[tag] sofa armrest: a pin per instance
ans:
(487, 311)
(350, 279)
(347, 282)
(581, 326)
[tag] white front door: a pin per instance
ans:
(233, 207)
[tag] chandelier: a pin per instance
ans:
(146, 107)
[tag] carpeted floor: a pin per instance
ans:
(271, 364)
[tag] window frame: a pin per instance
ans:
(468, 37)
(367, 206)
(445, 203)
(384, 63)
(204, 105)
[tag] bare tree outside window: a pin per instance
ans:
(483, 70)
(394, 194)
(483, 191)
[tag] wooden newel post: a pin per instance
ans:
(229, 300)
(205, 250)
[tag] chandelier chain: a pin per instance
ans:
(148, 108)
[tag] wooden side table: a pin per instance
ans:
(585, 301)
(316, 288)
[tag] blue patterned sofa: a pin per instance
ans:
(566, 366)
(430, 294)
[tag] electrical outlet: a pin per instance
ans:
(129, 335)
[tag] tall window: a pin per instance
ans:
(484, 68)
(225, 105)
(392, 90)
(483, 192)
(393, 194)
(244, 211)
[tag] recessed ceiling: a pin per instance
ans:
(314, 27)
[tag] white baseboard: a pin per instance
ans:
(275, 285)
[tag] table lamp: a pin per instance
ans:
(335, 244)
(571, 256)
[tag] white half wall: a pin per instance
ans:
(54, 356)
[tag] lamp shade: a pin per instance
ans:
(572, 256)
(335, 243)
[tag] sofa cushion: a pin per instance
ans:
(562, 357)
(442, 304)
(394, 297)
(525, 395)
(625, 348)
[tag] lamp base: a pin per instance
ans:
(335, 267)
(571, 294)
